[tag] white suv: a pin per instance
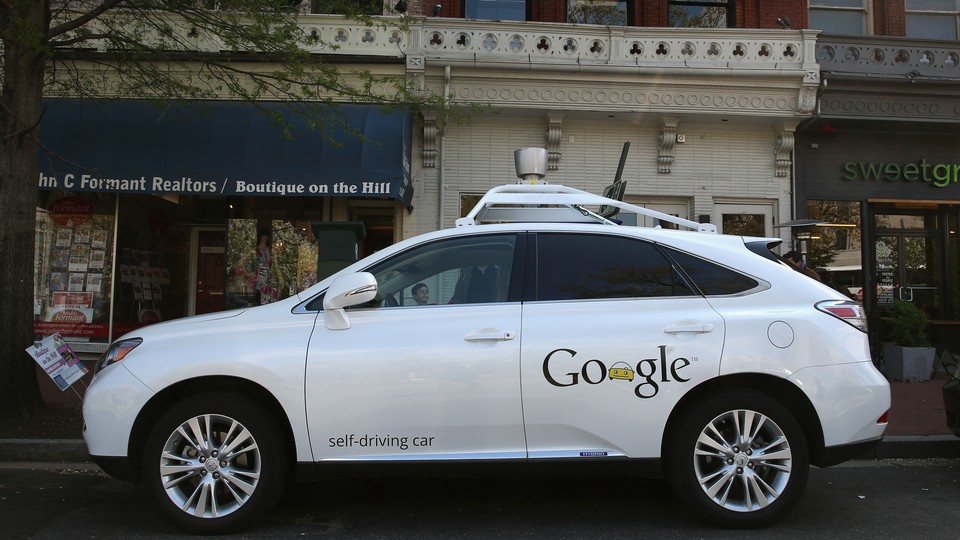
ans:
(552, 337)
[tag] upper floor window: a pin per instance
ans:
(347, 7)
(606, 12)
(499, 10)
(701, 14)
(932, 19)
(839, 16)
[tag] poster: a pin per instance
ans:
(76, 282)
(73, 300)
(99, 239)
(83, 235)
(58, 360)
(93, 282)
(64, 237)
(97, 257)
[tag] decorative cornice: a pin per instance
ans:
(760, 101)
(554, 135)
(870, 106)
(668, 139)
(429, 139)
(783, 152)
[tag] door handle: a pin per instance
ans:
(490, 335)
(691, 328)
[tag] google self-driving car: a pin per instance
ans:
(553, 336)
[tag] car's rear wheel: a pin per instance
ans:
(214, 463)
(740, 459)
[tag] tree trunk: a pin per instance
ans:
(24, 28)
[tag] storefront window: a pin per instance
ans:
(954, 256)
(152, 261)
(266, 264)
(834, 248)
(74, 265)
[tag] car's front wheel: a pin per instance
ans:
(740, 459)
(214, 463)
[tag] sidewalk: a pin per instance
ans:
(917, 429)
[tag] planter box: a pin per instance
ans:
(909, 363)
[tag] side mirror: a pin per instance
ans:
(346, 291)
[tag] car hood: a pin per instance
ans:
(163, 327)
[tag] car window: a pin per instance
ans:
(581, 266)
(712, 279)
(462, 270)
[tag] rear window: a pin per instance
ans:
(712, 279)
(579, 267)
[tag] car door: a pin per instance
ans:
(613, 336)
(437, 381)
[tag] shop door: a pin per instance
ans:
(211, 272)
(907, 262)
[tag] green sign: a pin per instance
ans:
(936, 174)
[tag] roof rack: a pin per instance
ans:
(552, 203)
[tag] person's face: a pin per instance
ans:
(422, 295)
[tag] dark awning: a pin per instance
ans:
(226, 148)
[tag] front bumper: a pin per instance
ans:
(110, 407)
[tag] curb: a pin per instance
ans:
(916, 447)
(892, 447)
(74, 450)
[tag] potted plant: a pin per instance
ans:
(908, 354)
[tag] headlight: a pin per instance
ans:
(116, 352)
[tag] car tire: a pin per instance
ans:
(739, 459)
(214, 463)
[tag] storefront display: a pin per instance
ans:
(74, 256)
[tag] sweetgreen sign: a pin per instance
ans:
(936, 174)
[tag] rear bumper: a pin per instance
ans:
(832, 455)
(850, 400)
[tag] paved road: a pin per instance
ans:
(878, 499)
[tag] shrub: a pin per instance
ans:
(907, 325)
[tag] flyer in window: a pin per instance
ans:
(64, 237)
(157, 294)
(76, 282)
(58, 281)
(137, 291)
(83, 235)
(98, 239)
(58, 360)
(78, 264)
(97, 258)
(60, 258)
(93, 282)
(73, 300)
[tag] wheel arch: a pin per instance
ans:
(159, 403)
(774, 387)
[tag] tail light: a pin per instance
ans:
(847, 311)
